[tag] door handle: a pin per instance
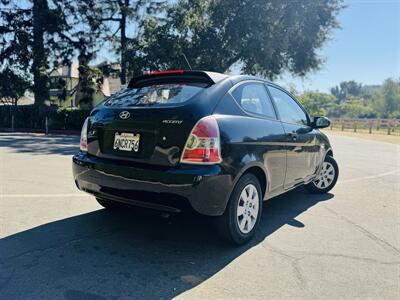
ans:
(293, 136)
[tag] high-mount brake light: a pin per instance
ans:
(203, 144)
(83, 140)
(166, 72)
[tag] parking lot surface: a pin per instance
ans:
(58, 243)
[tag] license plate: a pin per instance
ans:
(126, 141)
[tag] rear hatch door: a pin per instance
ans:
(150, 121)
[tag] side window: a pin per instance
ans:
(288, 109)
(253, 98)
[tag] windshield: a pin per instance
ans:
(160, 94)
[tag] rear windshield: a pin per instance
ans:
(159, 94)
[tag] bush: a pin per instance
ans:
(316, 103)
(58, 119)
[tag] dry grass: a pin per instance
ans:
(382, 131)
(376, 136)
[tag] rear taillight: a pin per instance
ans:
(203, 143)
(83, 142)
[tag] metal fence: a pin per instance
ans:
(383, 126)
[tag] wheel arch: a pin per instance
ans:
(262, 178)
(258, 170)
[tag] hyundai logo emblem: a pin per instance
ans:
(124, 114)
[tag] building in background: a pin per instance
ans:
(369, 89)
(64, 83)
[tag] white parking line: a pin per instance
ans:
(75, 195)
(82, 195)
(369, 177)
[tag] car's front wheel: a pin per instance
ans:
(327, 177)
(242, 215)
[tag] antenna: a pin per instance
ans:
(184, 56)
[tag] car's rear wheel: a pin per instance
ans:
(242, 215)
(326, 178)
(110, 205)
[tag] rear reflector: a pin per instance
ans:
(83, 140)
(203, 143)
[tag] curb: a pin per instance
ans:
(31, 130)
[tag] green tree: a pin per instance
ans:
(346, 89)
(355, 107)
(127, 14)
(31, 32)
(256, 36)
(387, 99)
(316, 103)
(12, 86)
(89, 84)
(84, 37)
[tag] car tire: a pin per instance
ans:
(326, 179)
(110, 205)
(242, 215)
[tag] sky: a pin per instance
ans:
(366, 49)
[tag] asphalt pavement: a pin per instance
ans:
(58, 243)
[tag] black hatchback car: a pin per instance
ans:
(218, 144)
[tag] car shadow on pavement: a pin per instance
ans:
(40, 144)
(129, 254)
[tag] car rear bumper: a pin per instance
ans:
(206, 189)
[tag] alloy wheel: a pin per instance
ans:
(326, 176)
(247, 208)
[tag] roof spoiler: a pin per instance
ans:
(208, 77)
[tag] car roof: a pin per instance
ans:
(213, 77)
(237, 78)
(210, 77)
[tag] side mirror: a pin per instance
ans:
(321, 122)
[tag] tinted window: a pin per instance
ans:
(159, 94)
(253, 97)
(288, 108)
